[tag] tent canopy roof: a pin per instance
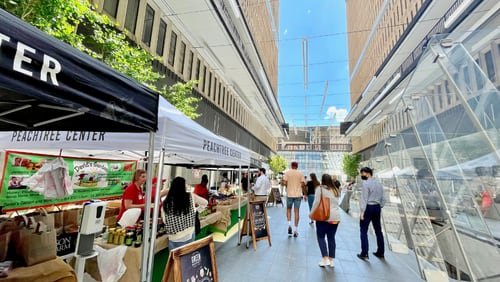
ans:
(46, 84)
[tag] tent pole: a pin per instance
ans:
(156, 209)
(146, 231)
(247, 222)
(239, 202)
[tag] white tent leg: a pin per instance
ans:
(145, 272)
(155, 214)
(239, 203)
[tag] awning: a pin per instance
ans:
(45, 84)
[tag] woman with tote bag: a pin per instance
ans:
(327, 221)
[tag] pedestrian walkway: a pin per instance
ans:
(296, 259)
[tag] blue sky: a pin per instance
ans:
(323, 22)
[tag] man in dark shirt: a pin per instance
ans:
(371, 203)
(244, 181)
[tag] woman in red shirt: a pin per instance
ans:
(133, 196)
(201, 189)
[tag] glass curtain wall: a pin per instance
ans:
(441, 165)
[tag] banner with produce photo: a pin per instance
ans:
(91, 179)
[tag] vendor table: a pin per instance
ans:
(229, 215)
(132, 260)
(49, 271)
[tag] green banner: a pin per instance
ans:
(91, 179)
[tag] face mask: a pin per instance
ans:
(364, 177)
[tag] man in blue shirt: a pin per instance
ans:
(371, 203)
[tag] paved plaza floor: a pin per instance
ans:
(296, 259)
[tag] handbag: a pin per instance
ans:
(322, 212)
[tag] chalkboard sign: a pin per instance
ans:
(277, 196)
(256, 224)
(192, 262)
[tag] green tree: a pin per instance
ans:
(277, 164)
(350, 164)
(180, 94)
(77, 23)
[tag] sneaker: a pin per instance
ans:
(289, 231)
(378, 255)
(362, 257)
(295, 234)
(324, 263)
(331, 263)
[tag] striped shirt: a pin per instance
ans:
(372, 193)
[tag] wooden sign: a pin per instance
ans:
(257, 225)
(192, 262)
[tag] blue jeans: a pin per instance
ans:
(172, 245)
(372, 214)
(324, 228)
(310, 200)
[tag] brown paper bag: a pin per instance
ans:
(4, 245)
(39, 247)
(58, 219)
(46, 218)
(71, 217)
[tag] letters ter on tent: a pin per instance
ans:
(46, 84)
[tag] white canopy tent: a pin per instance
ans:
(178, 141)
(184, 141)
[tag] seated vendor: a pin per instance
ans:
(202, 189)
(133, 196)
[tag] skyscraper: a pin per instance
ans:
(386, 40)
(230, 47)
(425, 104)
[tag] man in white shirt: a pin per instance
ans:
(262, 186)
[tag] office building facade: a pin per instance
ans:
(425, 104)
(230, 47)
(317, 149)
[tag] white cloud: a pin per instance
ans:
(337, 114)
(308, 11)
(285, 32)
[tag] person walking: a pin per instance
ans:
(294, 182)
(311, 187)
(327, 228)
(371, 203)
(262, 186)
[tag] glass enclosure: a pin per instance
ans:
(440, 159)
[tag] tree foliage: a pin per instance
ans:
(277, 164)
(350, 164)
(77, 23)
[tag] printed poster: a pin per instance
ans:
(91, 179)
(197, 266)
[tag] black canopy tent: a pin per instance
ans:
(46, 85)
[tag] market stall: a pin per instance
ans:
(47, 87)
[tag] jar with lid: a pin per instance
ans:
(111, 235)
(129, 238)
(138, 236)
(122, 237)
(116, 237)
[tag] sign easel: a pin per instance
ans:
(192, 262)
(277, 196)
(255, 223)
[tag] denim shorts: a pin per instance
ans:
(293, 202)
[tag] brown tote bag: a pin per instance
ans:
(322, 212)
